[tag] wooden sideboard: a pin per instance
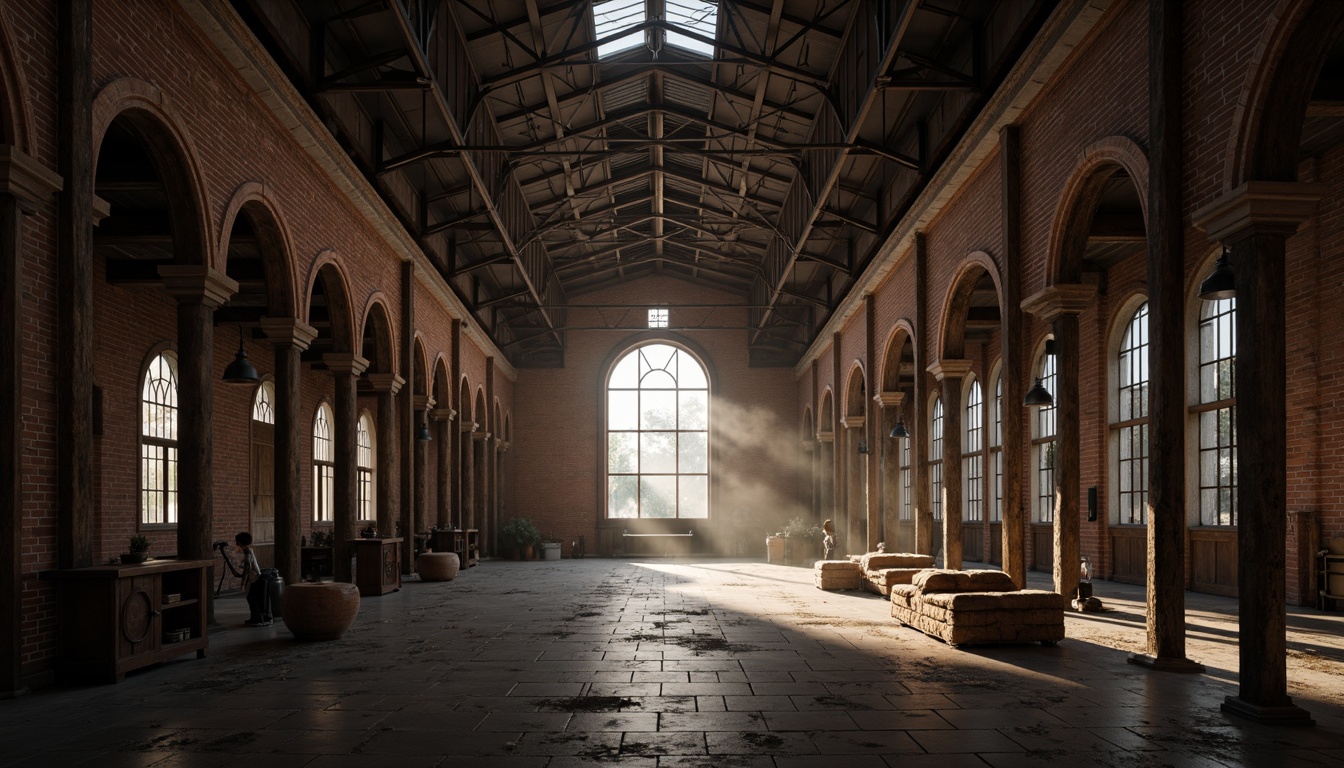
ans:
(377, 565)
(116, 618)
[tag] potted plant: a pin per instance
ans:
(802, 541)
(550, 547)
(517, 536)
(139, 550)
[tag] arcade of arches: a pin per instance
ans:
(176, 191)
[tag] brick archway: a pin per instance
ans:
(1078, 202)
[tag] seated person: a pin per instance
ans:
(257, 582)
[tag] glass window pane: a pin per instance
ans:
(693, 448)
(622, 453)
(658, 452)
(658, 380)
(625, 375)
(657, 410)
(694, 496)
(689, 373)
(623, 410)
(658, 496)
(623, 496)
(694, 413)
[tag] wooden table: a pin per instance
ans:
(377, 565)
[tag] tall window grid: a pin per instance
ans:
(972, 460)
(996, 452)
(1132, 426)
(158, 442)
(905, 480)
(658, 435)
(262, 409)
(1217, 413)
(364, 457)
(324, 467)
(936, 460)
(1043, 446)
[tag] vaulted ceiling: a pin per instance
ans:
(541, 150)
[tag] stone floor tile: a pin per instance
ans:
(712, 721)
(809, 721)
(900, 720)
(710, 704)
(519, 721)
(647, 744)
(861, 702)
(713, 761)
(1003, 717)
(965, 741)
(571, 744)
(757, 703)
(618, 722)
(828, 761)
(706, 689)
(789, 689)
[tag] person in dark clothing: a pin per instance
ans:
(257, 582)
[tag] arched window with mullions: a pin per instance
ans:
(1043, 445)
(658, 435)
(262, 409)
(324, 467)
(996, 452)
(1131, 425)
(972, 461)
(158, 441)
(936, 459)
(364, 461)
(1216, 412)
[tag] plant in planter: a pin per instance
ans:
(803, 543)
(550, 547)
(517, 536)
(138, 550)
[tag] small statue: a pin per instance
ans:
(828, 540)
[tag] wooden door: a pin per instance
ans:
(263, 483)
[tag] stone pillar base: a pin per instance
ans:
(1289, 714)
(1165, 664)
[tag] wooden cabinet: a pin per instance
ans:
(116, 618)
(377, 565)
(450, 541)
(473, 547)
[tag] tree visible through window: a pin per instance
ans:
(1043, 446)
(1217, 413)
(658, 435)
(158, 442)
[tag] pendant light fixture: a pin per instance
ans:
(863, 446)
(241, 371)
(1038, 396)
(899, 431)
(1221, 283)
(422, 434)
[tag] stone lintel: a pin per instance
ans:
(345, 362)
(1259, 206)
(197, 282)
(889, 399)
(854, 422)
(26, 179)
(950, 369)
(442, 414)
(385, 382)
(1060, 300)
(288, 331)
(826, 437)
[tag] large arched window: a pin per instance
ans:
(1217, 413)
(364, 460)
(972, 462)
(906, 501)
(658, 435)
(324, 467)
(936, 459)
(1043, 444)
(158, 441)
(263, 409)
(996, 452)
(1131, 424)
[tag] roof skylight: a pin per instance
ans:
(612, 17)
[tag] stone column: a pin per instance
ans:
(919, 423)
(423, 405)
(1060, 305)
(387, 385)
(949, 374)
(25, 187)
(480, 488)
(1256, 219)
(889, 410)
(467, 512)
(443, 419)
(346, 368)
(856, 503)
(199, 291)
(289, 337)
(1015, 445)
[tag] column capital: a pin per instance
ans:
(385, 382)
(1258, 206)
(442, 414)
(345, 362)
(480, 435)
(197, 282)
(1066, 299)
(889, 399)
(853, 422)
(423, 402)
(826, 437)
(288, 331)
(467, 426)
(950, 369)
(26, 179)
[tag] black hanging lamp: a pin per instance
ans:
(1038, 396)
(899, 431)
(241, 371)
(1221, 283)
(863, 446)
(422, 433)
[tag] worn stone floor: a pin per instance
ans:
(679, 663)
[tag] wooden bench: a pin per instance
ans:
(670, 539)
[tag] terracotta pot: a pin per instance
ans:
(438, 566)
(319, 611)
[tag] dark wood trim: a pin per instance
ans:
(1068, 460)
(1010, 351)
(11, 446)
(923, 512)
(407, 447)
